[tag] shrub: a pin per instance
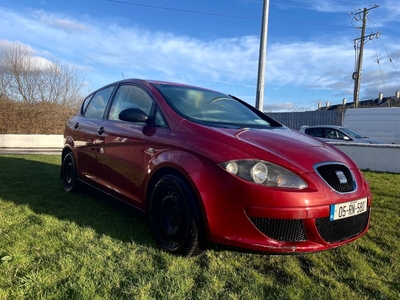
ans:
(34, 118)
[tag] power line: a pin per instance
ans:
(387, 53)
(310, 3)
(222, 15)
(183, 10)
(306, 2)
(380, 69)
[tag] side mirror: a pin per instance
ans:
(133, 115)
(346, 138)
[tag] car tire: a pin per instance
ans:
(69, 178)
(175, 218)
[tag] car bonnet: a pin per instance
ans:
(287, 148)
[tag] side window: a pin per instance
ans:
(334, 134)
(86, 103)
(316, 132)
(96, 107)
(159, 120)
(340, 135)
(129, 96)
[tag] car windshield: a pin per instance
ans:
(213, 108)
(351, 133)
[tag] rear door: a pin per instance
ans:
(85, 129)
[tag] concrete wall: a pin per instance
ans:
(380, 158)
(31, 141)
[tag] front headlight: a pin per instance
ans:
(265, 173)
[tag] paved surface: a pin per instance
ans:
(30, 150)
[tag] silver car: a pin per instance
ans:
(332, 133)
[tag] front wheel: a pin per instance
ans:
(68, 174)
(175, 218)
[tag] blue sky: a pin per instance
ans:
(215, 44)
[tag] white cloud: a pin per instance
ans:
(27, 54)
(326, 6)
(53, 20)
(308, 63)
(107, 48)
(391, 10)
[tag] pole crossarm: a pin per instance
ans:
(366, 38)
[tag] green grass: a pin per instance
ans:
(55, 245)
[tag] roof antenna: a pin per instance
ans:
(123, 75)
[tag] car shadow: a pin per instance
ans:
(37, 185)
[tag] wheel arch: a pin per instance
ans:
(158, 174)
(64, 152)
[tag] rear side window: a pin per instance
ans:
(95, 108)
(316, 132)
(86, 103)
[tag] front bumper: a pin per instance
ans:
(255, 218)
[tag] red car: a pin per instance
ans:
(210, 169)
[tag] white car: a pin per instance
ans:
(332, 133)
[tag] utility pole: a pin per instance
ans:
(359, 44)
(261, 58)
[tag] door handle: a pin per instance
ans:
(100, 131)
(76, 125)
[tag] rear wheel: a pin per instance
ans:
(175, 218)
(68, 174)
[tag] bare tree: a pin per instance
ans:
(32, 79)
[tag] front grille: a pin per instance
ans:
(331, 174)
(281, 229)
(341, 230)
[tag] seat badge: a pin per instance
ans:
(342, 178)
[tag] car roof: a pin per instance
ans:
(325, 126)
(155, 82)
